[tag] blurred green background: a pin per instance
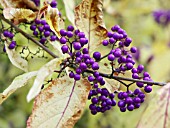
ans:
(135, 16)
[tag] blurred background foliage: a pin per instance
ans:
(135, 16)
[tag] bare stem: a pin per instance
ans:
(28, 36)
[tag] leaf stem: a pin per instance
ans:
(28, 36)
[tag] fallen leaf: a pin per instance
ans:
(16, 59)
(27, 4)
(42, 74)
(62, 103)
(89, 19)
(19, 14)
(69, 7)
(157, 113)
(17, 83)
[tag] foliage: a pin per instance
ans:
(84, 61)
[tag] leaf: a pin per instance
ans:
(17, 83)
(111, 85)
(89, 19)
(19, 14)
(42, 74)
(28, 4)
(69, 7)
(16, 59)
(54, 20)
(157, 113)
(62, 103)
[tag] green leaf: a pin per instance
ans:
(157, 113)
(42, 74)
(17, 83)
(16, 59)
(60, 105)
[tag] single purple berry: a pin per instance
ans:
(64, 49)
(140, 68)
(53, 4)
(130, 107)
(148, 89)
(6, 33)
(139, 84)
(121, 103)
(95, 66)
(35, 33)
(63, 40)
(53, 38)
(71, 75)
(46, 33)
(83, 66)
(134, 70)
(43, 22)
(109, 34)
(137, 91)
(69, 34)
(129, 66)
(42, 40)
(133, 49)
(115, 28)
(128, 100)
(91, 78)
(112, 40)
(70, 28)
(94, 100)
(105, 42)
(116, 36)
(77, 45)
(85, 51)
(81, 35)
(47, 27)
(37, 21)
(12, 45)
(123, 109)
(63, 32)
(97, 55)
(111, 57)
(76, 77)
(135, 76)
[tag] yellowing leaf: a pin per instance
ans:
(28, 4)
(157, 113)
(60, 105)
(17, 83)
(89, 19)
(69, 7)
(19, 14)
(54, 20)
(42, 74)
(111, 85)
(16, 59)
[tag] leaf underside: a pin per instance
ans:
(60, 105)
(157, 114)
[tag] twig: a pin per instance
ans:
(28, 36)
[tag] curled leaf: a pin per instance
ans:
(16, 59)
(62, 103)
(69, 7)
(89, 19)
(28, 4)
(54, 20)
(19, 14)
(42, 74)
(157, 113)
(17, 83)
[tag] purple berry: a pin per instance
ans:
(148, 89)
(121, 103)
(64, 48)
(140, 68)
(109, 34)
(46, 33)
(43, 22)
(70, 28)
(63, 40)
(12, 45)
(130, 107)
(35, 33)
(116, 36)
(97, 55)
(63, 32)
(6, 33)
(139, 84)
(111, 57)
(77, 45)
(105, 42)
(83, 66)
(112, 40)
(53, 4)
(133, 49)
(33, 27)
(71, 75)
(85, 51)
(135, 76)
(123, 109)
(69, 34)
(76, 77)
(95, 66)
(47, 27)
(53, 38)
(115, 28)
(91, 78)
(129, 66)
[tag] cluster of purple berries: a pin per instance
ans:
(130, 100)
(42, 30)
(9, 38)
(74, 43)
(162, 17)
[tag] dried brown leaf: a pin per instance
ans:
(19, 14)
(157, 113)
(60, 105)
(27, 4)
(89, 19)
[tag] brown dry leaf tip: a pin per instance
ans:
(20, 15)
(62, 103)
(89, 19)
(27, 4)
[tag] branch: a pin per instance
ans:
(28, 36)
(128, 79)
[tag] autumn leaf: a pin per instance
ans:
(42, 74)
(19, 14)
(16, 59)
(27, 4)
(69, 7)
(62, 103)
(157, 113)
(17, 83)
(89, 19)
(54, 20)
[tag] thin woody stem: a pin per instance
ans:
(28, 36)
